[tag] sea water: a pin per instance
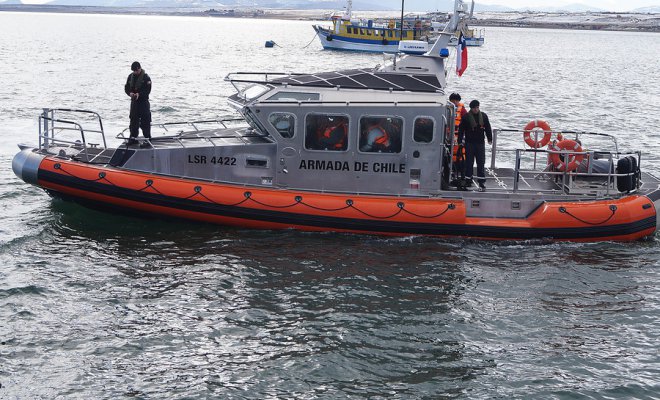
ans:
(94, 305)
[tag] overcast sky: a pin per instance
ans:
(614, 5)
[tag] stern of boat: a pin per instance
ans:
(655, 199)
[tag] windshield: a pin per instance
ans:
(254, 122)
(253, 91)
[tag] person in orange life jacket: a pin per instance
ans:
(333, 137)
(474, 126)
(138, 87)
(376, 139)
(455, 99)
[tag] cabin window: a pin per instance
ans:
(284, 124)
(294, 96)
(380, 134)
(390, 33)
(361, 31)
(368, 32)
(254, 91)
(326, 132)
(423, 130)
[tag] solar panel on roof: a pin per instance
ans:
(362, 79)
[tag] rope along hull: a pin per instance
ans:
(624, 219)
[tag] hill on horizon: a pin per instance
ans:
(358, 5)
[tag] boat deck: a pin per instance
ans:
(502, 180)
(498, 180)
(93, 154)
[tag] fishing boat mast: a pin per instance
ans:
(433, 61)
(348, 13)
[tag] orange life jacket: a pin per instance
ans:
(457, 122)
(459, 115)
(384, 139)
(327, 134)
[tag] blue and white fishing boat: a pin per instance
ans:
(348, 33)
(474, 36)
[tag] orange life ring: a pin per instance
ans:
(573, 159)
(531, 126)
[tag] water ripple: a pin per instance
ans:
(104, 306)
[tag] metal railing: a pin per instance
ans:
(182, 134)
(51, 128)
(568, 178)
(169, 126)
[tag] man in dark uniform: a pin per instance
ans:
(138, 87)
(473, 126)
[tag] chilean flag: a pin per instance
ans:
(461, 55)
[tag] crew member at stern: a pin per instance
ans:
(474, 126)
(138, 87)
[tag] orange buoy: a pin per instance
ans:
(573, 159)
(531, 126)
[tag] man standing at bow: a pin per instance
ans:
(138, 87)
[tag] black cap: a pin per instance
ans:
(454, 96)
(474, 103)
(135, 66)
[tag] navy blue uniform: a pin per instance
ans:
(140, 113)
(475, 148)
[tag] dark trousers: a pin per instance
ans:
(475, 151)
(140, 119)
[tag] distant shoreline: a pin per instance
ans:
(603, 21)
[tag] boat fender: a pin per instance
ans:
(627, 166)
(530, 127)
(385, 42)
(573, 161)
(328, 38)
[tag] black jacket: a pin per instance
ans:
(475, 135)
(144, 89)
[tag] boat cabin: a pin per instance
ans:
(308, 132)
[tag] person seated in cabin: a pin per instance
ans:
(374, 140)
(326, 132)
(333, 137)
(380, 135)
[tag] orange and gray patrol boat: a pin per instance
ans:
(363, 151)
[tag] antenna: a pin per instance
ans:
(401, 27)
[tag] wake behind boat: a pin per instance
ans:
(363, 151)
